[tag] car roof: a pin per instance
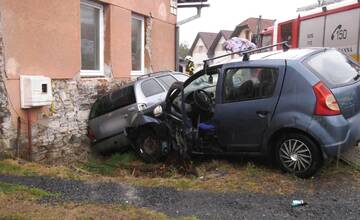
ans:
(155, 74)
(292, 54)
(141, 79)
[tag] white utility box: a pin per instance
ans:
(35, 91)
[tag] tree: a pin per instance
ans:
(183, 50)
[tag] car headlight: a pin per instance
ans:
(158, 111)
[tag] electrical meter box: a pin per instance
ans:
(35, 91)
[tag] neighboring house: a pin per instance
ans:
(217, 47)
(85, 47)
(200, 47)
(248, 28)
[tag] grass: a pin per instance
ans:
(23, 168)
(27, 192)
(29, 210)
(189, 218)
(109, 165)
(8, 167)
(14, 217)
(213, 175)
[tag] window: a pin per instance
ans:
(151, 87)
(92, 51)
(286, 33)
(137, 45)
(333, 67)
(115, 100)
(249, 83)
(247, 34)
(201, 49)
(166, 80)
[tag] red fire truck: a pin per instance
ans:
(336, 26)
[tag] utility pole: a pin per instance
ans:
(258, 30)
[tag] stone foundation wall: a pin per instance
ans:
(6, 131)
(59, 137)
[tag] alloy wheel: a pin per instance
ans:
(295, 155)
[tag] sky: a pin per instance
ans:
(226, 14)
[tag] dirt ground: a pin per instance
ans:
(122, 187)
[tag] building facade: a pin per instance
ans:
(217, 47)
(249, 28)
(86, 47)
(200, 48)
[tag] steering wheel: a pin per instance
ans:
(202, 100)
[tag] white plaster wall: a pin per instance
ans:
(199, 56)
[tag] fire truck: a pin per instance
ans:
(336, 25)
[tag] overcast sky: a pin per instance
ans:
(226, 14)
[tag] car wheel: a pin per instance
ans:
(298, 154)
(148, 146)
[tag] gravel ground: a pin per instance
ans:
(332, 203)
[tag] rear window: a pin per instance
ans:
(151, 87)
(115, 100)
(333, 67)
(166, 80)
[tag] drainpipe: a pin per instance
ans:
(198, 6)
(28, 112)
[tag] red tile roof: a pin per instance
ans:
(251, 23)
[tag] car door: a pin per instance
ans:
(152, 93)
(246, 99)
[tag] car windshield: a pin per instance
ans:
(202, 82)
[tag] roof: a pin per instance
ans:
(206, 37)
(223, 33)
(251, 23)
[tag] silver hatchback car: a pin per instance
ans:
(112, 113)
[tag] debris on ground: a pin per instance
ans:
(297, 203)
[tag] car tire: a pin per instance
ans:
(298, 154)
(148, 146)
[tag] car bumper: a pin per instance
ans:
(335, 133)
(115, 143)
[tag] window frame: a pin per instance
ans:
(141, 71)
(100, 72)
(163, 83)
(223, 98)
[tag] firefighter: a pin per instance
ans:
(190, 67)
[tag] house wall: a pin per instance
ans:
(219, 51)
(199, 54)
(42, 37)
(242, 34)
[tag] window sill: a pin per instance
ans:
(91, 73)
(137, 73)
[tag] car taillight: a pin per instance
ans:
(90, 134)
(326, 103)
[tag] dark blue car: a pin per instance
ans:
(299, 107)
